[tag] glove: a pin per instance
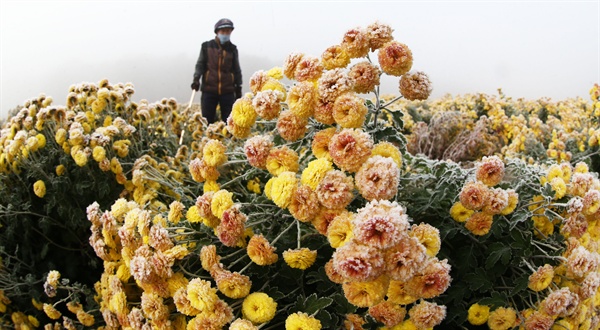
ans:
(196, 85)
(238, 92)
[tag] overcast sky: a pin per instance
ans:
(530, 49)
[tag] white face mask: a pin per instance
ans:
(223, 38)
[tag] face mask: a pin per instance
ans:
(223, 38)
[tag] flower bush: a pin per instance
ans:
(307, 209)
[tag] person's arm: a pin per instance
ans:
(237, 75)
(200, 67)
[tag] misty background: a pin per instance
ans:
(530, 49)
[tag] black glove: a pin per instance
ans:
(196, 85)
(238, 92)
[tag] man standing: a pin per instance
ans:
(218, 67)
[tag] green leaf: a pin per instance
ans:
(342, 306)
(520, 285)
(312, 303)
(479, 280)
(497, 299)
(498, 252)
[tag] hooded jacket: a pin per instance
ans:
(219, 67)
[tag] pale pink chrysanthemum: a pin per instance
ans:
(415, 86)
(203, 204)
(378, 178)
(290, 126)
(405, 259)
(258, 80)
(290, 64)
(395, 58)
(308, 69)
(431, 281)
(581, 183)
(426, 314)
(93, 213)
(350, 148)
(558, 301)
(590, 285)
(365, 77)
(162, 264)
(305, 204)
(575, 205)
(357, 262)
(581, 261)
(539, 321)
(267, 104)
(378, 34)
(159, 238)
(356, 43)
(257, 150)
(195, 170)
(141, 269)
(496, 202)
(335, 191)
(575, 225)
(324, 112)
(231, 228)
(334, 83)
(381, 227)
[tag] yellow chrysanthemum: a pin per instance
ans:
(559, 187)
(339, 231)
(214, 153)
(541, 278)
(243, 113)
(39, 188)
(268, 186)
(60, 136)
(460, 213)
(201, 295)
(210, 185)
(98, 153)
(478, 314)
(275, 73)
(115, 166)
(51, 312)
(192, 215)
(502, 319)
(259, 308)
(429, 237)
(386, 149)
(275, 85)
(254, 185)
(282, 189)
(221, 201)
(302, 321)
(300, 258)
(315, 172)
(41, 138)
(405, 325)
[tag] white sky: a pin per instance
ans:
(530, 49)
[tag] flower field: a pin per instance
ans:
(318, 204)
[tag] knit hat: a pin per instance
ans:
(223, 23)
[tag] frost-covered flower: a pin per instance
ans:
(302, 99)
(415, 86)
(308, 69)
(378, 178)
(267, 104)
(427, 314)
(378, 34)
(365, 77)
(334, 83)
(335, 191)
(335, 57)
(291, 63)
(356, 43)
(290, 126)
(356, 262)
(349, 111)
(257, 150)
(395, 58)
(350, 148)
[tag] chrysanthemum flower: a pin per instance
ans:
(302, 99)
(260, 251)
(214, 153)
(282, 159)
(559, 187)
(357, 262)
(404, 259)
(398, 295)
(241, 324)
(258, 80)
(259, 308)
(291, 63)
(99, 153)
(558, 301)
(366, 293)
(387, 149)
(513, 200)
(221, 201)
(60, 170)
(460, 213)
(539, 320)
(431, 281)
(175, 211)
(581, 261)
(275, 72)
(299, 258)
(231, 228)
(237, 131)
(496, 201)
(378, 34)
(308, 69)
(478, 314)
(201, 295)
(209, 257)
(290, 126)
(335, 57)
(349, 111)
(336, 189)
(502, 318)
(541, 278)
(415, 86)
(268, 103)
(332, 274)
(243, 113)
(302, 321)
(324, 112)
(39, 188)
(340, 230)
(320, 143)
(474, 195)
(580, 183)
(257, 150)
(324, 218)
(51, 312)
(334, 83)
(395, 58)
(427, 314)
(479, 223)
(304, 205)
(427, 235)
(591, 202)
(232, 285)
(388, 313)
(378, 228)
(314, 173)
(350, 148)
(365, 77)
(275, 85)
(378, 178)
(283, 188)
(356, 43)
(182, 303)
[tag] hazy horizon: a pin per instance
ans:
(530, 49)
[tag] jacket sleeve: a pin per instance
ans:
(237, 70)
(201, 63)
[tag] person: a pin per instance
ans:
(218, 74)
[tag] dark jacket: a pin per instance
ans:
(219, 67)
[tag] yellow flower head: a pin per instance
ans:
(39, 188)
(41, 138)
(559, 187)
(282, 159)
(335, 57)
(52, 278)
(210, 185)
(428, 236)
(349, 110)
(368, 293)
(275, 73)
(302, 99)
(115, 166)
(460, 213)
(386, 149)
(581, 168)
(98, 153)
(340, 230)
(243, 113)
(315, 172)
(192, 215)
(259, 308)
(275, 85)
(260, 251)
(201, 295)
(221, 201)
(282, 189)
(60, 136)
(51, 312)
(214, 153)
(502, 319)
(478, 314)
(175, 211)
(302, 321)
(320, 143)
(268, 186)
(254, 185)
(300, 258)
(541, 278)
(513, 200)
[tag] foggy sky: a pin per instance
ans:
(530, 49)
